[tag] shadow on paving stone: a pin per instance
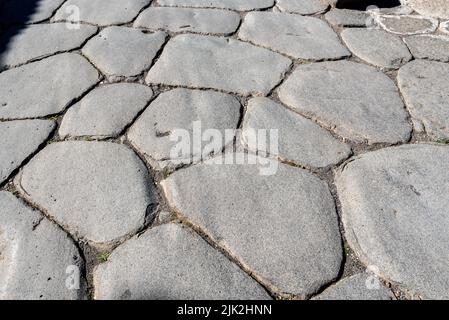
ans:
(363, 4)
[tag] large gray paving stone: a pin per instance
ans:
(430, 47)
(356, 101)
(39, 41)
(283, 227)
(28, 11)
(172, 262)
(407, 24)
(302, 6)
(212, 62)
(425, 88)
(35, 255)
(300, 140)
(20, 139)
(105, 111)
(432, 8)
(123, 53)
(188, 20)
(223, 4)
(394, 208)
(347, 18)
(294, 35)
(99, 191)
(45, 87)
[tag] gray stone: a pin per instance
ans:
(282, 227)
(407, 24)
(35, 255)
(178, 109)
(444, 26)
(171, 262)
(45, 87)
(354, 100)
(394, 208)
(19, 140)
(13, 12)
(425, 88)
(302, 6)
(347, 18)
(300, 140)
(188, 20)
(429, 47)
(377, 47)
(432, 8)
(294, 35)
(123, 53)
(225, 64)
(98, 191)
(39, 41)
(105, 111)
(223, 4)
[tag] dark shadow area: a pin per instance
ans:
(363, 4)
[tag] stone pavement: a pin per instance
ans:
(352, 204)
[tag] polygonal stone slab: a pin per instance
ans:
(105, 111)
(407, 24)
(296, 36)
(432, 8)
(172, 262)
(356, 101)
(35, 256)
(45, 87)
(212, 62)
(302, 6)
(28, 11)
(99, 191)
(347, 18)
(394, 206)
(223, 4)
(430, 47)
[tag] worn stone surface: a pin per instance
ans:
(296, 36)
(377, 47)
(121, 52)
(347, 18)
(181, 109)
(188, 20)
(425, 88)
(394, 206)
(35, 255)
(298, 136)
(99, 191)
(105, 111)
(407, 24)
(432, 8)
(354, 100)
(172, 262)
(302, 6)
(430, 47)
(36, 11)
(44, 87)
(223, 4)
(444, 26)
(187, 60)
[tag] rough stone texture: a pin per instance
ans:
(35, 254)
(347, 18)
(302, 6)
(44, 87)
(444, 26)
(223, 4)
(105, 111)
(407, 24)
(296, 36)
(425, 87)
(19, 140)
(293, 246)
(432, 8)
(299, 137)
(121, 52)
(429, 47)
(102, 12)
(99, 191)
(224, 64)
(377, 47)
(172, 262)
(179, 109)
(189, 20)
(36, 11)
(357, 287)
(39, 41)
(394, 206)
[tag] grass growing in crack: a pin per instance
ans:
(443, 141)
(103, 257)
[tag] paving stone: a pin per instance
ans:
(407, 24)
(35, 255)
(189, 20)
(39, 41)
(299, 137)
(377, 47)
(187, 60)
(347, 18)
(28, 11)
(357, 287)
(354, 100)
(302, 6)
(179, 109)
(99, 191)
(430, 47)
(432, 8)
(394, 207)
(19, 140)
(105, 111)
(223, 4)
(171, 262)
(102, 12)
(444, 26)
(45, 87)
(123, 53)
(425, 89)
(294, 35)
(285, 232)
